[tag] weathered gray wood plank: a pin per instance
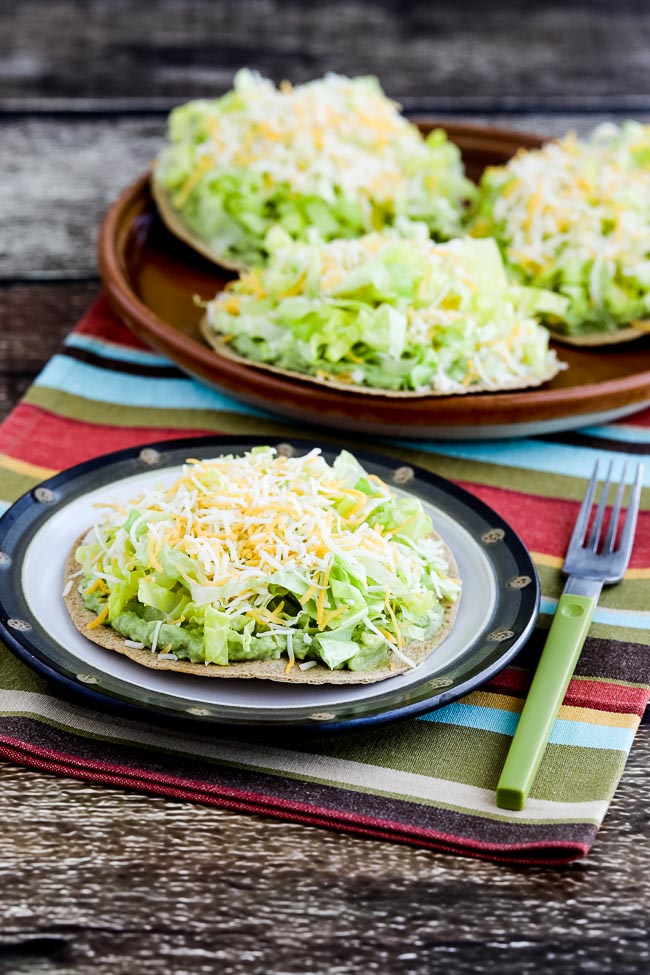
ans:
(56, 181)
(176, 49)
(33, 322)
(133, 883)
(99, 880)
(57, 178)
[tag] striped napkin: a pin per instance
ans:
(428, 781)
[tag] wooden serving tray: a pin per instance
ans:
(151, 279)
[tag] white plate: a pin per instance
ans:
(497, 610)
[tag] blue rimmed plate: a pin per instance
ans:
(497, 612)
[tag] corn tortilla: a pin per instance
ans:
(594, 339)
(222, 347)
(175, 225)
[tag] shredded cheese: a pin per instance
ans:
(260, 524)
(99, 619)
(439, 335)
(335, 129)
(156, 634)
(575, 215)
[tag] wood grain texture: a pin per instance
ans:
(56, 180)
(50, 211)
(589, 50)
(105, 881)
(62, 174)
(114, 882)
(98, 880)
(33, 322)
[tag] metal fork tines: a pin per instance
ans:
(601, 556)
(595, 557)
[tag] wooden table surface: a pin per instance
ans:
(94, 879)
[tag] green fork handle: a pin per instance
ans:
(559, 657)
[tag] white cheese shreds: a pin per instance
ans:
(388, 311)
(156, 634)
(334, 153)
(259, 495)
(574, 216)
(271, 556)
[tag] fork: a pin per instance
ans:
(590, 563)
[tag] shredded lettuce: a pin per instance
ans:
(574, 218)
(391, 312)
(333, 155)
(266, 557)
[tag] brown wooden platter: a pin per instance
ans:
(151, 278)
